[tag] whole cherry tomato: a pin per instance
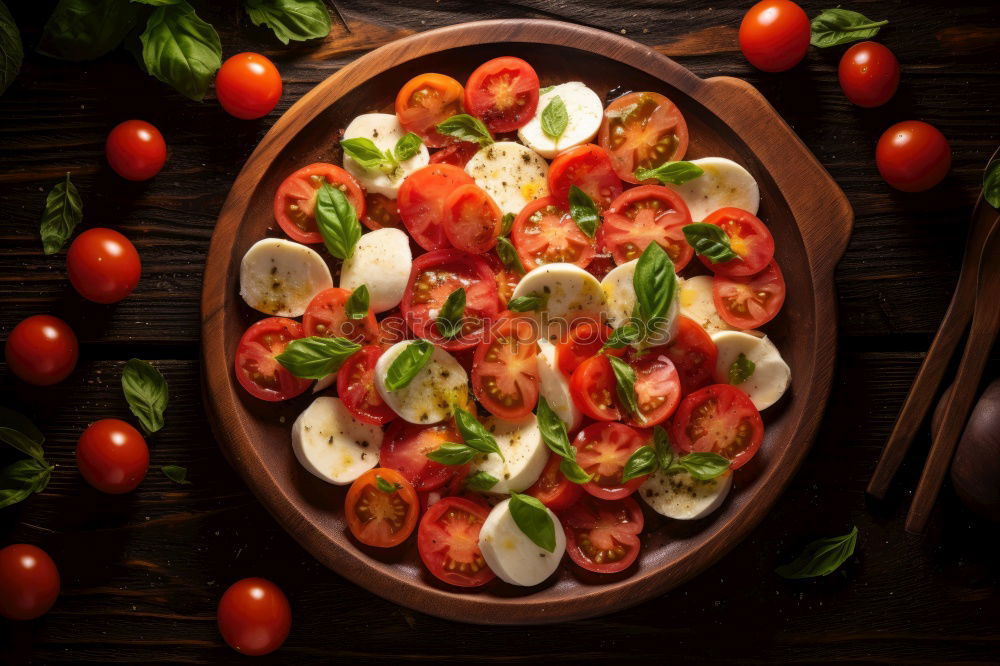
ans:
(869, 74)
(913, 156)
(42, 350)
(29, 582)
(774, 35)
(254, 616)
(103, 265)
(112, 456)
(136, 150)
(248, 86)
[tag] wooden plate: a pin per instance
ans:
(807, 213)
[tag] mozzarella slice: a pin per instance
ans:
(510, 173)
(554, 387)
(568, 294)
(619, 301)
(381, 260)
(325, 383)
(384, 131)
(524, 452)
(511, 555)
(279, 277)
(771, 375)
(696, 302)
(332, 444)
(429, 397)
(683, 497)
(584, 112)
(724, 183)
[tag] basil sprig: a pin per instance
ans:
(534, 520)
(11, 49)
(21, 478)
(316, 357)
(474, 434)
(337, 221)
(554, 118)
(741, 369)
(625, 387)
(583, 210)
(508, 255)
(553, 431)
(660, 455)
(821, 557)
(180, 49)
(63, 211)
(466, 128)
(655, 285)
(709, 241)
(86, 29)
(177, 474)
(452, 453)
(358, 303)
(364, 151)
(407, 147)
(452, 314)
(146, 392)
(622, 337)
(670, 173)
(386, 486)
(506, 222)
(841, 26)
(410, 361)
(291, 20)
(991, 184)
(481, 481)
(533, 301)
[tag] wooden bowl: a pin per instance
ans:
(807, 213)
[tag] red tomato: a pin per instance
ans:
(592, 386)
(448, 541)
(584, 340)
(603, 535)
(602, 263)
(505, 369)
(295, 201)
(356, 387)
(381, 212)
(421, 201)
(602, 449)
(544, 233)
(248, 86)
(135, 150)
(503, 93)
(42, 350)
(589, 168)
(472, 220)
(29, 582)
(645, 214)
(379, 518)
(642, 129)
(103, 265)
(456, 155)
(112, 456)
(254, 616)
(326, 316)
(719, 419)
(392, 329)
(257, 369)
(425, 101)
(748, 237)
(405, 448)
(657, 387)
(774, 35)
(553, 489)
(693, 354)
(506, 278)
(913, 156)
(433, 278)
(749, 302)
(869, 74)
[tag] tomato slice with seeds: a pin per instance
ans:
(392, 328)
(426, 100)
(472, 220)
(457, 154)
(505, 369)
(603, 535)
(589, 168)
(602, 449)
(642, 129)
(657, 387)
(448, 542)
(719, 419)
(643, 215)
(326, 316)
(421, 202)
(748, 237)
(544, 233)
(405, 448)
(506, 278)
(356, 387)
(379, 518)
(592, 386)
(381, 212)
(257, 369)
(749, 302)
(553, 489)
(693, 354)
(602, 263)
(295, 201)
(503, 93)
(584, 340)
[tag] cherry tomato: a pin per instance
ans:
(378, 517)
(356, 387)
(749, 302)
(869, 74)
(506, 278)
(913, 156)
(136, 150)
(544, 233)
(29, 582)
(42, 350)
(326, 317)
(257, 368)
(103, 265)
(248, 86)
(693, 354)
(748, 237)
(254, 616)
(643, 215)
(719, 419)
(448, 541)
(602, 449)
(503, 93)
(295, 201)
(603, 535)
(421, 200)
(553, 489)
(112, 456)
(589, 168)
(642, 129)
(425, 101)
(505, 369)
(472, 220)
(457, 154)
(584, 340)
(592, 386)
(381, 212)
(657, 387)
(774, 35)
(405, 448)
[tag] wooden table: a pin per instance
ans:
(142, 573)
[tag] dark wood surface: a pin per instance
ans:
(142, 573)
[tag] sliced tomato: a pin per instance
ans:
(544, 233)
(503, 93)
(602, 449)
(448, 541)
(381, 212)
(356, 387)
(377, 517)
(426, 100)
(643, 215)
(592, 386)
(405, 448)
(657, 387)
(693, 354)
(257, 369)
(457, 154)
(719, 419)
(433, 278)
(589, 168)
(506, 278)
(748, 237)
(553, 489)
(472, 220)
(642, 129)
(295, 201)
(421, 202)
(584, 340)
(602, 263)
(326, 317)
(603, 535)
(392, 328)
(505, 369)
(749, 302)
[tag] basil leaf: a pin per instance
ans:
(20, 423)
(146, 392)
(467, 128)
(177, 474)
(553, 431)
(21, 478)
(821, 557)
(385, 486)
(655, 285)
(583, 211)
(337, 221)
(526, 303)
(625, 387)
(709, 241)
(475, 434)
(410, 361)
(358, 303)
(534, 520)
(11, 49)
(542, 91)
(670, 173)
(841, 26)
(663, 448)
(316, 357)
(363, 151)
(555, 118)
(22, 443)
(506, 222)
(407, 147)
(291, 20)
(452, 453)
(622, 337)
(573, 472)
(63, 211)
(741, 369)
(181, 50)
(86, 29)
(640, 463)
(157, 3)
(991, 183)
(450, 318)
(508, 255)
(481, 481)
(704, 466)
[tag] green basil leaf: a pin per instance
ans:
(63, 211)
(704, 466)
(22, 424)
(622, 337)
(534, 520)
(363, 151)
(21, 478)
(145, 390)
(481, 481)
(407, 147)
(316, 357)
(821, 557)
(583, 210)
(670, 173)
(553, 431)
(410, 361)
(181, 50)
(452, 453)
(22, 443)
(625, 387)
(291, 20)
(337, 221)
(506, 222)
(527, 303)
(555, 118)
(358, 303)
(177, 474)
(157, 3)
(86, 29)
(475, 433)
(452, 315)
(11, 49)
(542, 91)
(385, 486)
(741, 369)
(467, 128)
(640, 463)
(663, 448)
(508, 255)
(841, 26)
(655, 285)
(991, 183)
(573, 472)
(709, 241)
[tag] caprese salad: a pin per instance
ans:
(507, 358)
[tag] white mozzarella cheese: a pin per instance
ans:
(696, 302)
(524, 452)
(723, 183)
(510, 173)
(279, 277)
(429, 397)
(584, 112)
(683, 497)
(381, 260)
(332, 444)
(619, 301)
(511, 555)
(771, 375)
(325, 383)
(384, 131)
(554, 387)
(568, 293)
